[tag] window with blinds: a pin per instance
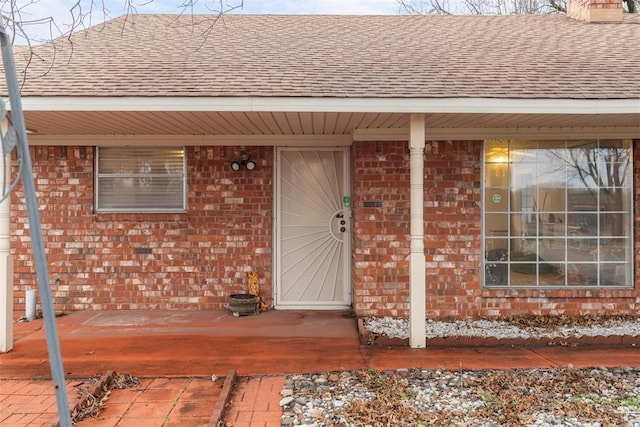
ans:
(140, 179)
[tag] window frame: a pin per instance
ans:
(132, 208)
(494, 260)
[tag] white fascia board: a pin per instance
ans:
(318, 104)
(58, 103)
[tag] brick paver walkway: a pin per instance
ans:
(27, 403)
(161, 402)
(255, 402)
(156, 402)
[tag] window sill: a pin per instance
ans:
(592, 292)
(140, 217)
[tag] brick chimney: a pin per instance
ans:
(595, 10)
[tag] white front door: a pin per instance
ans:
(313, 229)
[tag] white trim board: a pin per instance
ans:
(389, 134)
(317, 104)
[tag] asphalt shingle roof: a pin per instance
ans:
(526, 56)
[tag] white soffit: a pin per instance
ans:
(193, 140)
(402, 134)
(380, 105)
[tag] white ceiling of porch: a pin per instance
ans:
(53, 123)
(207, 123)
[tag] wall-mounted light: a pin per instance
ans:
(245, 162)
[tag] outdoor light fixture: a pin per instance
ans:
(249, 164)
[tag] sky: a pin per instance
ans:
(355, 7)
(59, 9)
(349, 7)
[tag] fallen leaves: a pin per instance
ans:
(554, 322)
(515, 397)
(520, 394)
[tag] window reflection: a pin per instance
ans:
(557, 213)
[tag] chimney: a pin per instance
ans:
(603, 11)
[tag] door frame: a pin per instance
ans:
(347, 252)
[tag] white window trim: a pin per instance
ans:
(97, 176)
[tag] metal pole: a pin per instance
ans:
(42, 271)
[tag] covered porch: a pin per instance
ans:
(286, 122)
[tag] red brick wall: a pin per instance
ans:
(381, 228)
(452, 227)
(453, 215)
(102, 261)
(197, 259)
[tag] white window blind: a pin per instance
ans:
(140, 179)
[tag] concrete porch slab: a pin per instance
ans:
(188, 343)
(204, 343)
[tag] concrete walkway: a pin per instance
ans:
(177, 355)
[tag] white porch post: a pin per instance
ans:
(417, 297)
(6, 268)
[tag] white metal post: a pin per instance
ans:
(417, 264)
(6, 264)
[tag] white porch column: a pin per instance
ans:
(6, 267)
(417, 264)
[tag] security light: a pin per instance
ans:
(249, 164)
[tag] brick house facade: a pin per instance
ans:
(443, 151)
(183, 261)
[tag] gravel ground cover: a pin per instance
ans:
(419, 397)
(514, 327)
(595, 397)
